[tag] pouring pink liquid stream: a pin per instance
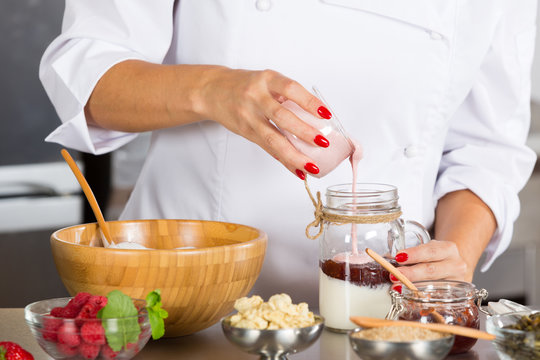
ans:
(350, 283)
(355, 158)
(327, 159)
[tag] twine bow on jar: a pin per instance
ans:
(322, 216)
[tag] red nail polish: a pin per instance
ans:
(300, 174)
(402, 257)
(312, 168)
(321, 141)
(397, 288)
(324, 112)
(393, 278)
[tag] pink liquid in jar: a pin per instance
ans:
(327, 159)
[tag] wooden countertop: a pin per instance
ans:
(212, 344)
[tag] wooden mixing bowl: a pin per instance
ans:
(198, 286)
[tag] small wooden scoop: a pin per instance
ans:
(368, 322)
(394, 271)
(391, 269)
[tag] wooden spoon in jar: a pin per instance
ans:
(368, 322)
(394, 271)
(106, 235)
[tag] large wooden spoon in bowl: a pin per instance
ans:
(106, 238)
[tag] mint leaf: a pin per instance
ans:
(119, 318)
(156, 314)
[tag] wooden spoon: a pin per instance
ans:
(394, 271)
(391, 269)
(90, 197)
(368, 322)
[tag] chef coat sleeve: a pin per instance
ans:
(95, 36)
(485, 149)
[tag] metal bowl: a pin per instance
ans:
(393, 350)
(273, 344)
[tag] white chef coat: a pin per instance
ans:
(436, 91)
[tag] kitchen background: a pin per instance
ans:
(38, 193)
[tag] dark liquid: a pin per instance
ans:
(367, 274)
(463, 316)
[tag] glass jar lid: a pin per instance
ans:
(442, 291)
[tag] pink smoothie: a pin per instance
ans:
(352, 258)
(326, 159)
(355, 158)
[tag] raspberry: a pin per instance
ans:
(134, 347)
(89, 351)
(98, 301)
(67, 334)
(80, 299)
(50, 327)
(88, 311)
(57, 312)
(67, 350)
(93, 333)
(70, 312)
(107, 353)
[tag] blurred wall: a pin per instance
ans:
(536, 65)
(27, 116)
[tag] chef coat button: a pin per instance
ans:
(435, 35)
(412, 151)
(263, 5)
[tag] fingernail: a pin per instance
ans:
(402, 257)
(300, 174)
(324, 112)
(312, 168)
(397, 288)
(321, 141)
(393, 278)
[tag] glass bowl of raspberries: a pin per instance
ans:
(90, 326)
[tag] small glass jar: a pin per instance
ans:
(458, 303)
(350, 282)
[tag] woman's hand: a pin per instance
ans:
(245, 102)
(466, 224)
(436, 260)
(136, 96)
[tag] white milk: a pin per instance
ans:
(338, 300)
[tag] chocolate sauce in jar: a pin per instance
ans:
(369, 274)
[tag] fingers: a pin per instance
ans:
(292, 90)
(439, 270)
(288, 121)
(251, 107)
(432, 261)
(397, 287)
(435, 250)
(280, 89)
(273, 142)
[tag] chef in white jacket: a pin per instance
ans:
(436, 92)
